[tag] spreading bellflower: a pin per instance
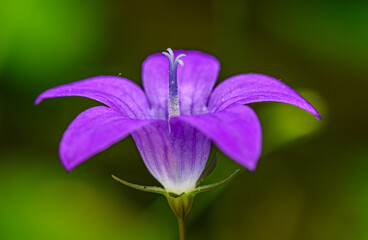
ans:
(175, 119)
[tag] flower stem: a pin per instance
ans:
(183, 232)
(181, 205)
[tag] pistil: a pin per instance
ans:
(173, 101)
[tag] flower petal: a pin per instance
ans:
(116, 92)
(93, 131)
(254, 87)
(177, 158)
(236, 131)
(196, 80)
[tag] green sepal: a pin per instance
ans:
(181, 204)
(210, 187)
(151, 189)
(160, 190)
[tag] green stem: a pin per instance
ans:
(183, 233)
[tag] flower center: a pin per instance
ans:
(173, 104)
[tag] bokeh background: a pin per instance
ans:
(311, 181)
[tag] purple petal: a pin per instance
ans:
(116, 92)
(196, 80)
(254, 87)
(177, 158)
(93, 131)
(236, 131)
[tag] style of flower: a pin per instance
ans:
(174, 121)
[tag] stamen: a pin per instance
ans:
(173, 104)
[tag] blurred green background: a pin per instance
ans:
(311, 181)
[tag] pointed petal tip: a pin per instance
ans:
(67, 163)
(38, 100)
(68, 167)
(252, 167)
(256, 87)
(313, 111)
(318, 116)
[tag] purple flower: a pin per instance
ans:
(174, 121)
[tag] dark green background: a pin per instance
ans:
(311, 181)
